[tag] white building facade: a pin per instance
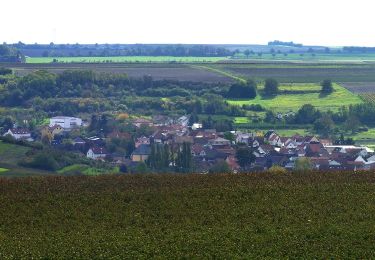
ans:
(65, 122)
(19, 134)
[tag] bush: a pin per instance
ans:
(271, 87)
(220, 167)
(238, 90)
(327, 87)
(43, 161)
(277, 170)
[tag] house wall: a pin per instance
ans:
(66, 123)
(17, 136)
(139, 158)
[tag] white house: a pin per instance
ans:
(196, 126)
(19, 134)
(96, 153)
(183, 120)
(65, 122)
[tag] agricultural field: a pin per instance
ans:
(308, 215)
(288, 72)
(366, 88)
(310, 57)
(179, 72)
(123, 59)
(368, 97)
(292, 102)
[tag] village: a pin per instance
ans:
(208, 147)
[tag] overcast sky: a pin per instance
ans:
(311, 22)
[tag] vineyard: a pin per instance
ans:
(308, 215)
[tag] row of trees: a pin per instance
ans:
(164, 157)
(10, 54)
(197, 50)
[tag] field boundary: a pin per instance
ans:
(225, 73)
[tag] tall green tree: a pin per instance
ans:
(327, 87)
(184, 162)
(303, 164)
(245, 156)
(307, 114)
(324, 125)
(271, 87)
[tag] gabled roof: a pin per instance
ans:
(214, 154)
(277, 159)
(266, 148)
(219, 140)
(313, 147)
(78, 140)
(269, 133)
(142, 121)
(197, 148)
(51, 128)
(285, 139)
(273, 137)
(20, 131)
(118, 134)
(98, 150)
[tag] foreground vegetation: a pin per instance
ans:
(310, 215)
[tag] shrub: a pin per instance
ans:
(327, 87)
(271, 87)
(277, 170)
(239, 90)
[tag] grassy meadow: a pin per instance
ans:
(123, 59)
(318, 57)
(304, 94)
(299, 215)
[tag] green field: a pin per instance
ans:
(3, 170)
(291, 132)
(305, 216)
(10, 153)
(241, 120)
(123, 59)
(318, 57)
(292, 102)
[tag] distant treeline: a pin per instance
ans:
(106, 50)
(359, 49)
(281, 43)
(10, 54)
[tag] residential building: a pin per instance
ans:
(19, 134)
(65, 122)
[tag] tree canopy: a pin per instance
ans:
(271, 87)
(327, 87)
(240, 90)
